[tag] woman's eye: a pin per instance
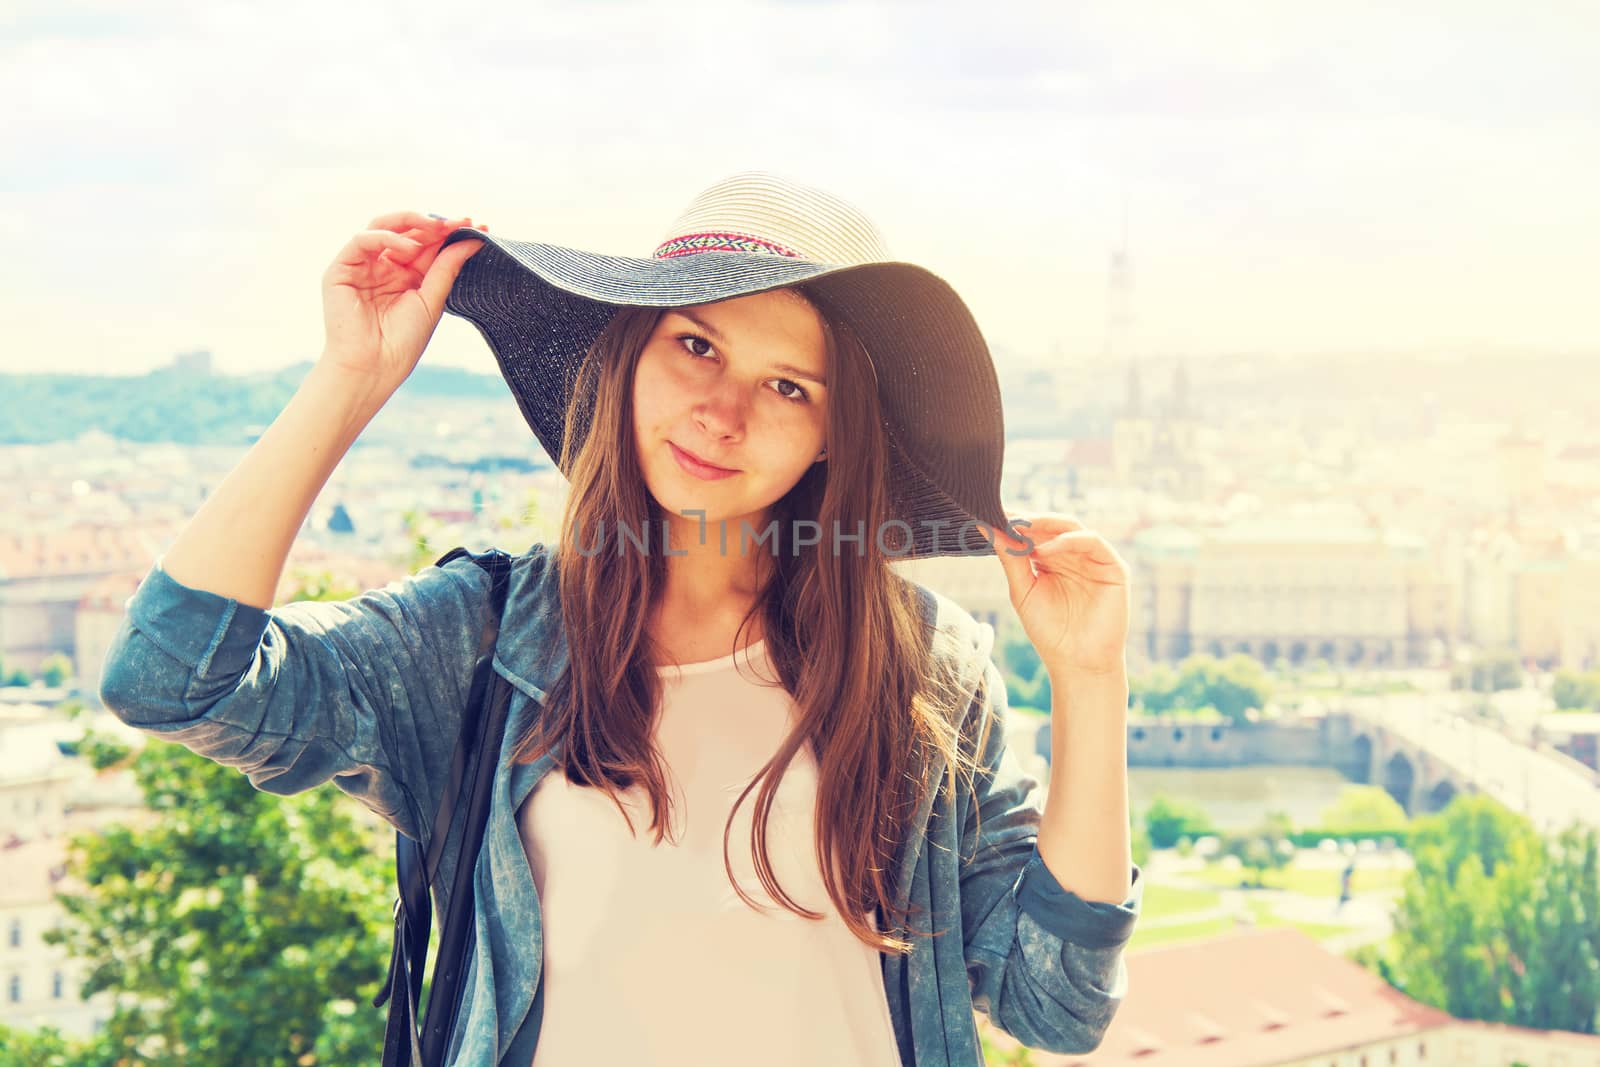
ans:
(799, 395)
(695, 337)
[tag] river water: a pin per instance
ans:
(1239, 798)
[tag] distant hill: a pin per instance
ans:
(176, 406)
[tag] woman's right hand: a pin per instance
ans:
(384, 293)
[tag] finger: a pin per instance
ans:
(1077, 543)
(1042, 527)
(1071, 541)
(443, 268)
(1081, 544)
(432, 242)
(395, 220)
(1019, 573)
(367, 244)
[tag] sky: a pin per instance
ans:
(1295, 178)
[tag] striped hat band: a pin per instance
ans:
(756, 211)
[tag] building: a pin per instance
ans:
(1295, 589)
(1277, 998)
(45, 575)
(47, 796)
(39, 983)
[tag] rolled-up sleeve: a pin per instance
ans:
(1044, 964)
(365, 692)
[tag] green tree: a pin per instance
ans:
(1472, 825)
(1488, 672)
(46, 1047)
(1364, 808)
(1562, 991)
(1262, 849)
(420, 532)
(55, 670)
(322, 585)
(242, 926)
(1497, 924)
(1019, 654)
(1232, 686)
(1027, 682)
(1156, 690)
(1139, 837)
(1576, 692)
(1166, 820)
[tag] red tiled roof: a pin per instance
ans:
(112, 592)
(75, 550)
(1253, 997)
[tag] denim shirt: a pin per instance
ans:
(368, 692)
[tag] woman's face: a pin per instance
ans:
(739, 384)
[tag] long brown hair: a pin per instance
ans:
(843, 631)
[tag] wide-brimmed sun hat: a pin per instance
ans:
(541, 306)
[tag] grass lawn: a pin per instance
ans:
(1161, 901)
(1311, 881)
(1154, 936)
(1150, 937)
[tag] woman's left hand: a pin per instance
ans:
(1071, 593)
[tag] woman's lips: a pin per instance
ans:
(697, 467)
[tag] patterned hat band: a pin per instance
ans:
(756, 212)
(691, 243)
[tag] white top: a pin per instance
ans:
(650, 957)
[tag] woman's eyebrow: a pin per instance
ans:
(716, 335)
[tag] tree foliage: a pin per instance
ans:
(239, 927)
(1265, 848)
(44, 1047)
(1233, 686)
(12, 675)
(1497, 923)
(1364, 809)
(55, 669)
(1166, 820)
(176, 405)
(165, 405)
(1488, 672)
(1575, 691)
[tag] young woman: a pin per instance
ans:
(841, 859)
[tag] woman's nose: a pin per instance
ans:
(722, 410)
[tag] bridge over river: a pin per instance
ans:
(1416, 745)
(1423, 755)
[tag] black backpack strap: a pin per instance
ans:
(472, 766)
(457, 940)
(498, 564)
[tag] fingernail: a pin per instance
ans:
(441, 218)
